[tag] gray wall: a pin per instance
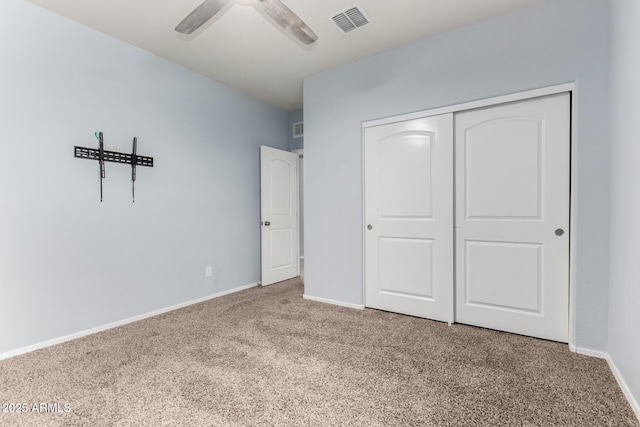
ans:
(548, 43)
(624, 310)
(69, 262)
(297, 143)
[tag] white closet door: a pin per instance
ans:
(409, 217)
(512, 217)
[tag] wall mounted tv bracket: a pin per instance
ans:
(102, 155)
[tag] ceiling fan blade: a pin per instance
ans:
(200, 15)
(288, 20)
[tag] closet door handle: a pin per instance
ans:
(370, 227)
(559, 232)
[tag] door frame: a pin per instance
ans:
(300, 153)
(570, 88)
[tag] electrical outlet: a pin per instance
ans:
(114, 148)
(208, 271)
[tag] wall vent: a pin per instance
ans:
(298, 130)
(350, 19)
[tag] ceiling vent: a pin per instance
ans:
(350, 19)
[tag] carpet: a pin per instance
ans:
(267, 357)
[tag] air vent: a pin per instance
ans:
(350, 19)
(298, 130)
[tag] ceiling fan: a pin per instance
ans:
(281, 14)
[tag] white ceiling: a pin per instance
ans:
(240, 48)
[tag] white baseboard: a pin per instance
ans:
(616, 373)
(635, 405)
(112, 325)
(588, 352)
(333, 302)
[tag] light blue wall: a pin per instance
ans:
(69, 262)
(624, 300)
(297, 143)
(548, 43)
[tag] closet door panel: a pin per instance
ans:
(409, 217)
(512, 217)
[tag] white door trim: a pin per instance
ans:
(488, 102)
(571, 88)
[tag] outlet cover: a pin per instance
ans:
(208, 271)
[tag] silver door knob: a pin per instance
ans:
(370, 227)
(559, 232)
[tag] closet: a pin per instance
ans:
(467, 216)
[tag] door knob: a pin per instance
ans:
(559, 232)
(267, 223)
(370, 227)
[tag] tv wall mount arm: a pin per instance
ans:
(102, 155)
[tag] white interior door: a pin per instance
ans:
(279, 214)
(409, 217)
(512, 217)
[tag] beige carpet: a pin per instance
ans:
(267, 357)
